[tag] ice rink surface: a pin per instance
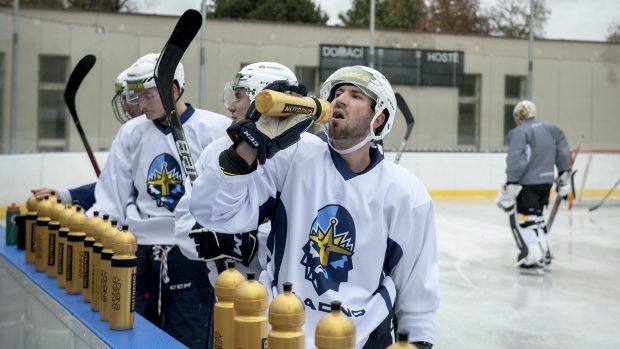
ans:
(486, 303)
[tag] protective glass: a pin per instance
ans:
(148, 95)
(233, 94)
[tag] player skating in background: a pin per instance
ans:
(140, 185)
(346, 225)
(534, 148)
(85, 194)
(242, 248)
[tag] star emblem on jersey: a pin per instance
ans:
(165, 182)
(330, 246)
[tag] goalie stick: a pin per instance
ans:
(558, 199)
(75, 80)
(184, 32)
(404, 108)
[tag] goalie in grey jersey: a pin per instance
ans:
(534, 148)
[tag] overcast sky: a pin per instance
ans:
(570, 19)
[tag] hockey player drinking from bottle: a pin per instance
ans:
(346, 224)
(140, 185)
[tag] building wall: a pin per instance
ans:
(576, 84)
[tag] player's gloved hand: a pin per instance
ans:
(562, 185)
(423, 345)
(240, 247)
(507, 197)
(270, 134)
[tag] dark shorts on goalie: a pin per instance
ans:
(186, 301)
(533, 198)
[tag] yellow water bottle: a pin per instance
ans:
(61, 246)
(123, 280)
(54, 227)
(106, 264)
(250, 322)
(88, 260)
(75, 252)
(31, 228)
(224, 311)
(335, 330)
(95, 301)
(287, 316)
(44, 209)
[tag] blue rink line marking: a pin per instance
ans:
(143, 335)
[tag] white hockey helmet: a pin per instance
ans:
(524, 110)
(374, 84)
(254, 77)
(141, 75)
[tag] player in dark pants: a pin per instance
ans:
(534, 148)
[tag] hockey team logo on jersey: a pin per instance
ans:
(165, 182)
(328, 252)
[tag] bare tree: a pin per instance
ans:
(614, 32)
(511, 18)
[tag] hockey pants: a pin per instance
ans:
(184, 307)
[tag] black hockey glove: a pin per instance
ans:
(423, 345)
(211, 246)
(269, 134)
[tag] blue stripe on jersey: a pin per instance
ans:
(274, 210)
(386, 297)
(345, 171)
(184, 117)
(393, 254)
(265, 212)
(381, 337)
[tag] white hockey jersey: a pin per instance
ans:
(142, 180)
(367, 239)
(184, 223)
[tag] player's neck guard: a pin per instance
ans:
(353, 148)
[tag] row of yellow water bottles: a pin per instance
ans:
(241, 320)
(87, 256)
(91, 257)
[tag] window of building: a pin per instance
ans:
(308, 76)
(52, 125)
(514, 91)
(468, 127)
(3, 126)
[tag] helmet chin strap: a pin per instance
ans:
(357, 146)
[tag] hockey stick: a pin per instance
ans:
(184, 32)
(605, 198)
(404, 108)
(75, 80)
(182, 35)
(558, 199)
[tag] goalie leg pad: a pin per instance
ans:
(528, 238)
